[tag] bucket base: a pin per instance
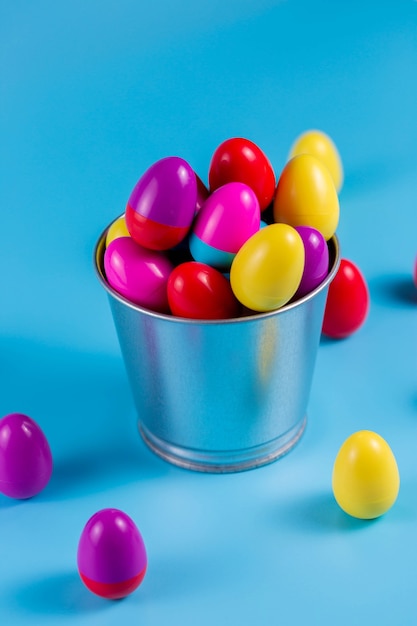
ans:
(223, 461)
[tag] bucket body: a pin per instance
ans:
(221, 396)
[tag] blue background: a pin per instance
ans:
(92, 93)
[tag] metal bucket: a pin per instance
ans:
(220, 396)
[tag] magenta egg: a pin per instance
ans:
(162, 204)
(138, 274)
(111, 555)
(316, 265)
(25, 457)
(228, 218)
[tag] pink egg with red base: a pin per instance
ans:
(111, 555)
(227, 219)
(138, 274)
(162, 204)
(25, 457)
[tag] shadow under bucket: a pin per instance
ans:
(221, 396)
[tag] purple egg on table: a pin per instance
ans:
(316, 264)
(25, 457)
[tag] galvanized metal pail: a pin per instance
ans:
(220, 396)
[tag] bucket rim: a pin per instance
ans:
(98, 256)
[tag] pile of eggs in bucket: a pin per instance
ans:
(245, 244)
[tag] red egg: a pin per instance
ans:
(198, 291)
(240, 160)
(347, 303)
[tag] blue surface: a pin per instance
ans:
(91, 95)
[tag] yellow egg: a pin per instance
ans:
(267, 270)
(320, 145)
(365, 476)
(306, 196)
(116, 230)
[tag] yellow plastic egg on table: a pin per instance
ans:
(267, 270)
(306, 196)
(320, 145)
(116, 230)
(365, 476)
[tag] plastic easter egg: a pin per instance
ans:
(25, 457)
(117, 229)
(240, 160)
(306, 196)
(320, 145)
(162, 204)
(316, 266)
(365, 477)
(267, 270)
(226, 220)
(111, 555)
(138, 274)
(347, 302)
(198, 291)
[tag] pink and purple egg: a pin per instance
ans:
(316, 266)
(227, 219)
(162, 204)
(111, 555)
(25, 457)
(138, 274)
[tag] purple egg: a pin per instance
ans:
(227, 219)
(25, 457)
(138, 274)
(162, 204)
(316, 264)
(111, 555)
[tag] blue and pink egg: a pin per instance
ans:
(227, 219)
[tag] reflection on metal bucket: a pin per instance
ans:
(221, 396)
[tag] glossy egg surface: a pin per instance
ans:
(267, 270)
(138, 274)
(365, 477)
(198, 291)
(25, 457)
(306, 196)
(111, 555)
(162, 204)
